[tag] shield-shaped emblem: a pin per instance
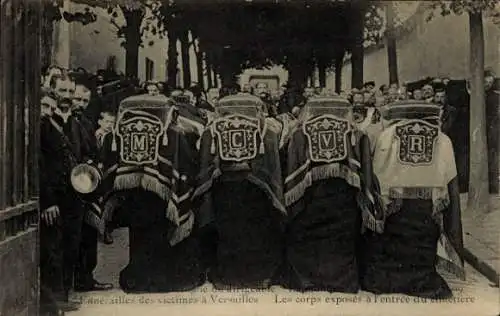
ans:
(327, 137)
(140, 139)
(416, 142)
(237, 137)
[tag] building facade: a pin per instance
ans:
(423, 51)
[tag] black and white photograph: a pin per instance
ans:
(249, 157)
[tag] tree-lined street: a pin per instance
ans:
(302, 36)
(313, 150)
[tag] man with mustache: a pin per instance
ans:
(428, 93)
(87, 261)
(55, 163)
(449, 112)
(78, 132)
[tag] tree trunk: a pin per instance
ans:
(50, 15)
(228, 68)
(186, 69)
(478, 199)
(209, 76)
(199, 66)
(172, 59)
(47, 42)
(47, 31)
(215, 81)
(132, 57)
(132, 41)
(322, 74)
(357, 50)
(338, 74)
(298, 75)
(312, 76)
(228, 77)
(392, 58)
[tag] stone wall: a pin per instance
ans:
(19, 274)
(439, 47)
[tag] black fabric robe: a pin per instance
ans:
(242, 213)
(149, 199)
(493, 138)
(325, 216)
(404, 258)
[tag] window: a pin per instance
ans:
(149, 69)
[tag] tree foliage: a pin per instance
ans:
(139, 16)
(241, 34)
(296, 34)
(478, 195)
(458, 7)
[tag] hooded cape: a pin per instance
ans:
(312, 156)
(153, 147)
(410, 166)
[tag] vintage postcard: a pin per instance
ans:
(249, 157)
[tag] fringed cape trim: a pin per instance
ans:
(439, 196)
(183, 228)
(448, 258)
(277, 203)
(333, 170)
(184, 223)
(145, 181)
(288, 124)
(216, 173)
(174, 189)
(366, 203)
(207, 185)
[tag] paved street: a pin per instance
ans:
(482, 233)
(476, 297)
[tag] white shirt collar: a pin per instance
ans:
(64, 116)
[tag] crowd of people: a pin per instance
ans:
(76, 121)
(77, 113)
(68, 136)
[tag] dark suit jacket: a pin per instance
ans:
(449, 115)
(82, 139)
(55, 163)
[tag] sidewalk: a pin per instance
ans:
(482, 239)
(475, 296)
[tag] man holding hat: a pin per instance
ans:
(57, 158)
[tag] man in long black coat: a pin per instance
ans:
(56, 202)
(492, 98)
(87, 261)
(70, 129)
